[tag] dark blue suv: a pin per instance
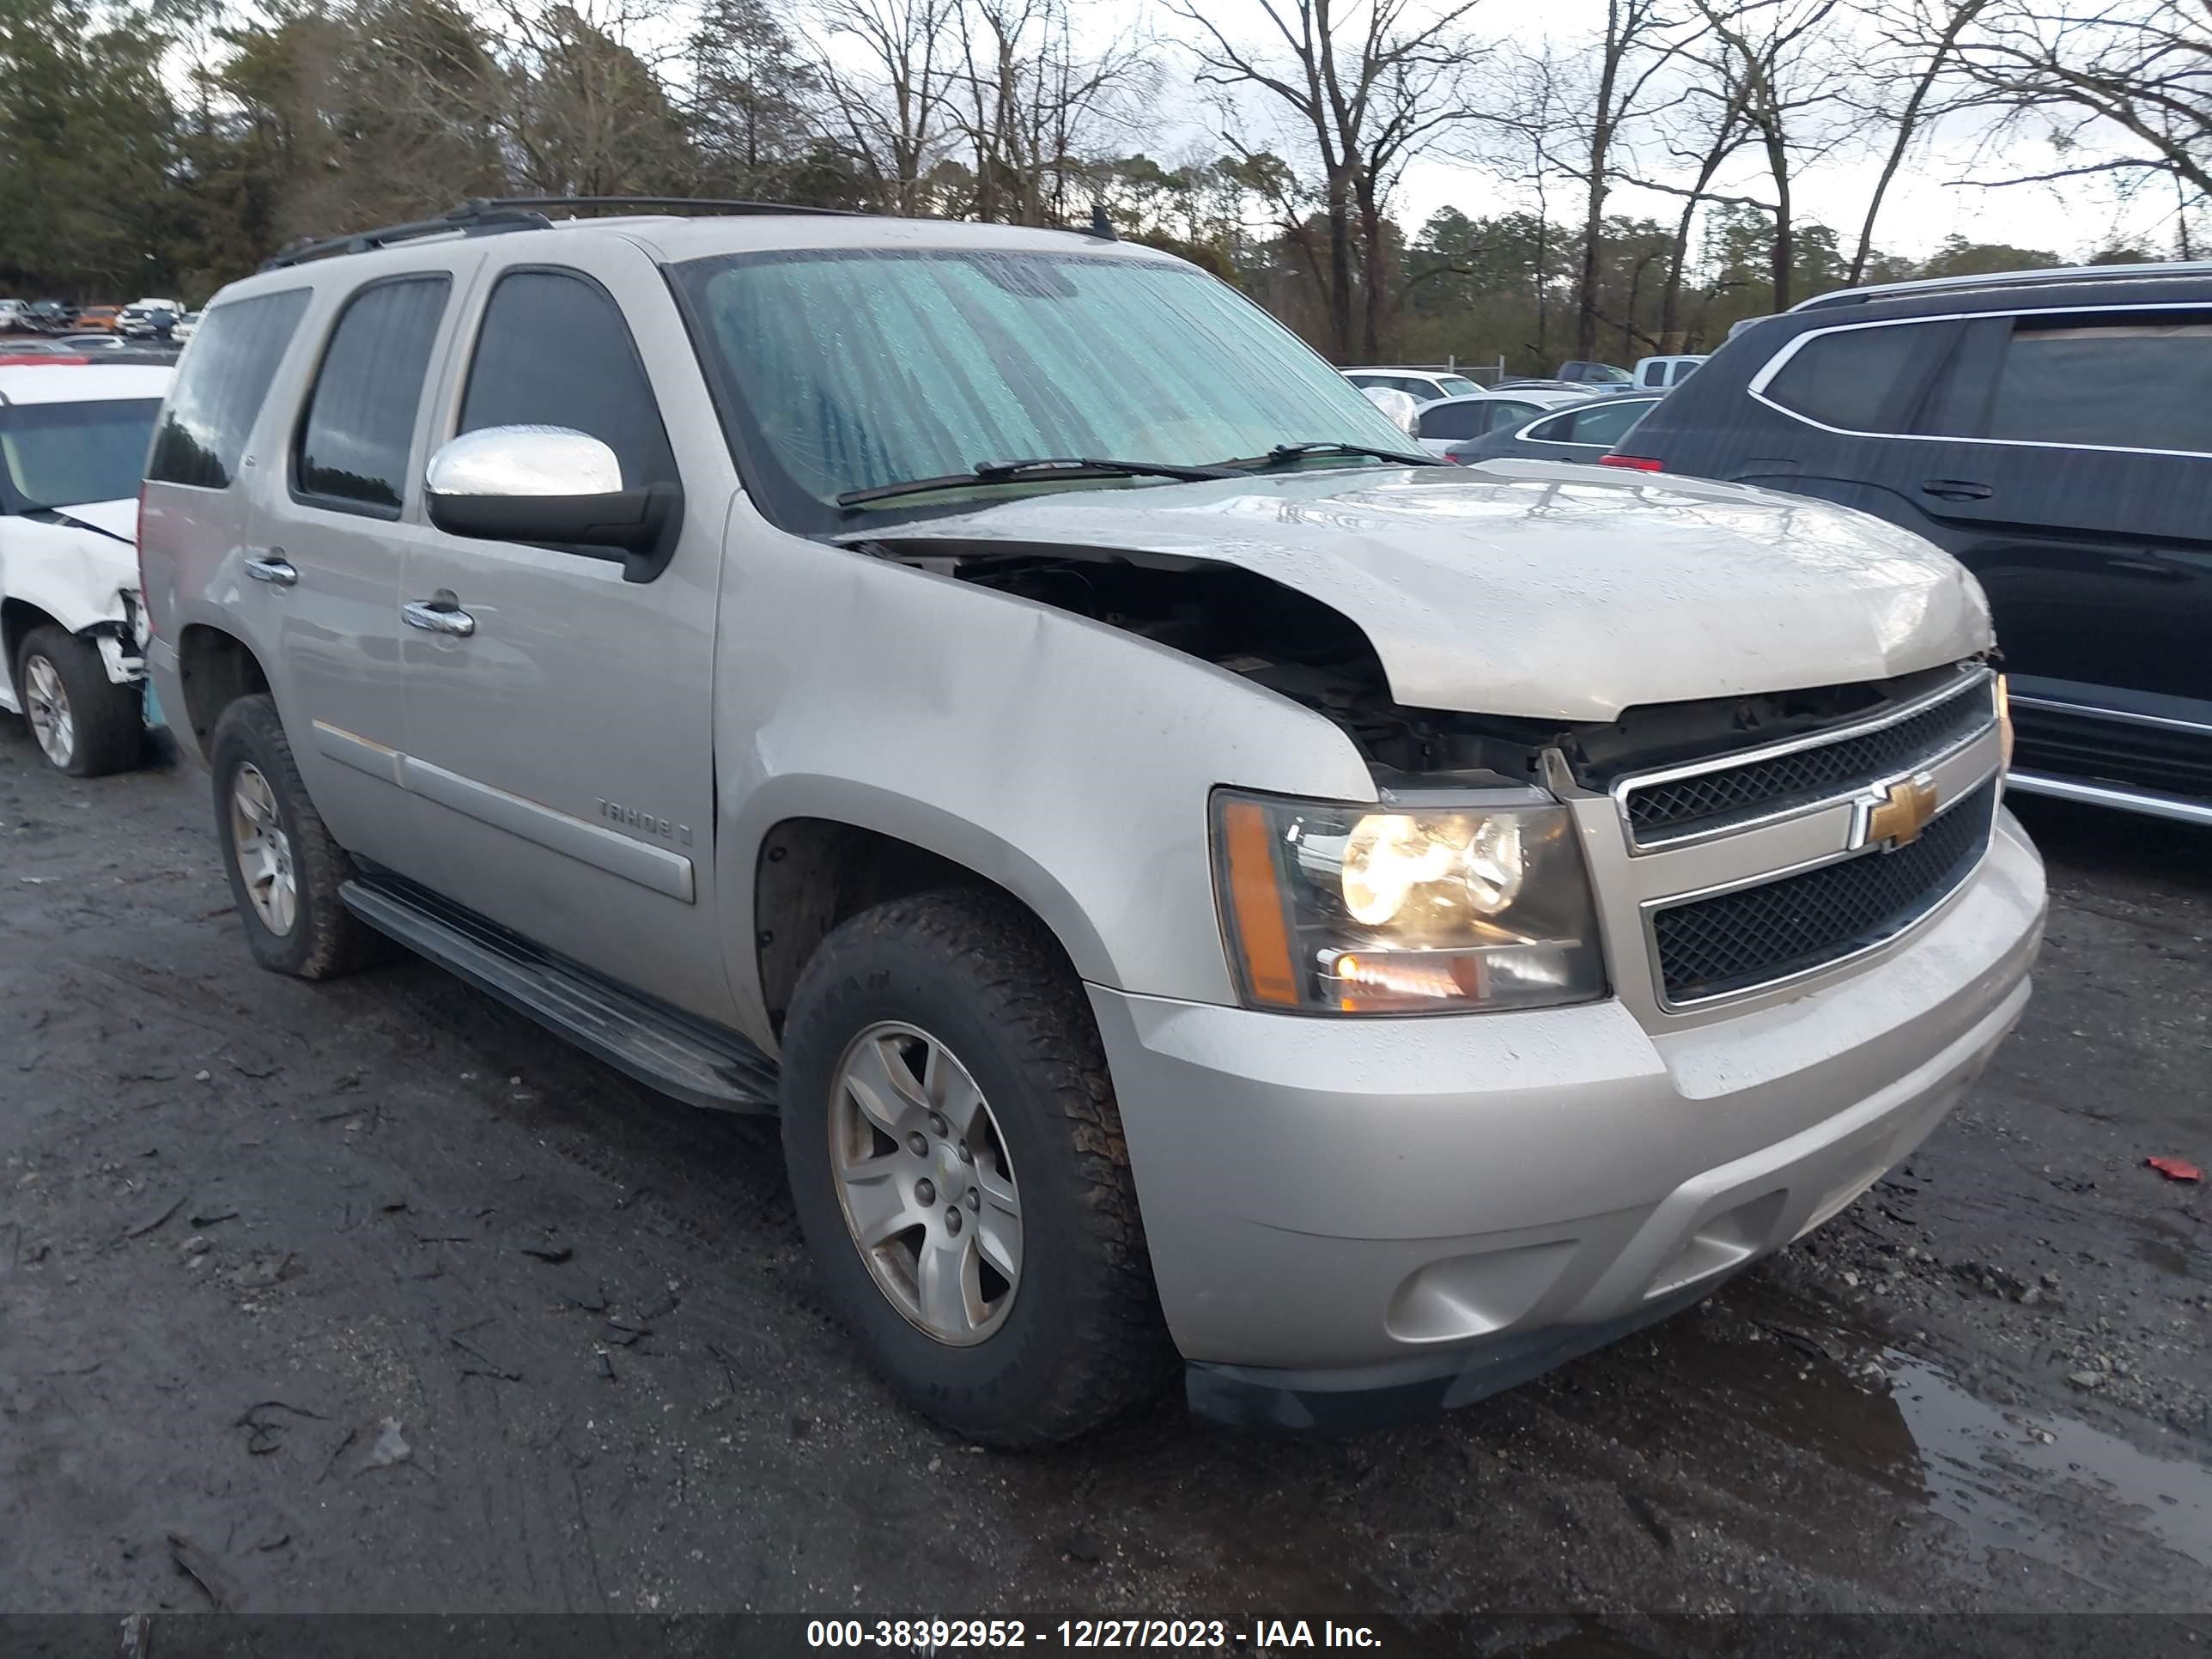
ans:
(2051, 429)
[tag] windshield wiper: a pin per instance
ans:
(1043, 467)
(1284, 454)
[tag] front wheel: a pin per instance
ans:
(956, 1161)
(84, 723)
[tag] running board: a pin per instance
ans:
(2126, 797)
(697, 1063)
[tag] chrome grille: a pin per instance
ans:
(1757, 935)
(1691, 802)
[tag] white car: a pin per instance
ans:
(73, 441)
(13, 314)
(1449, 421)
(1423, 386)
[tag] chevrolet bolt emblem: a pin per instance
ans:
(1896, 816)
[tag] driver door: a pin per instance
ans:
(561, 716)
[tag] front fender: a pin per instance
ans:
(1068, 761)
(77, 577)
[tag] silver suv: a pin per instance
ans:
(1201, 883)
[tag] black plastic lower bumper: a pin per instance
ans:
(1346, 1402)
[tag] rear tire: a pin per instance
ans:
(286, 881)
(85, 724)
(1076, 1337)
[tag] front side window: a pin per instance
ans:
(2133, 385)
(847, 370)
(554, 351)
(221, 385)
(68, 454)
(1846, 378)
(360, 423)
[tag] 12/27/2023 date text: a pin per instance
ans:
(944, 1635)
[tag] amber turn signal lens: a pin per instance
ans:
(1255, 900)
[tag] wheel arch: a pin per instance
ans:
(815, 855)
(216, 669)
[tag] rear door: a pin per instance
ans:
(561, 749)
(2082, 499)
(330, 540)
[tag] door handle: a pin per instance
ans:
(1957, 489)
(441, 614)
(273, 567)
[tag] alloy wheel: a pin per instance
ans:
(925, 1183)
(263, 850)
(46, 704)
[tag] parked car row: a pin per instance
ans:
(143, 319)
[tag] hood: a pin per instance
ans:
(1541, 589)
(116, 518)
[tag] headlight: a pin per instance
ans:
(1347, 909)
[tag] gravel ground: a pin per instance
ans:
(373, 1297)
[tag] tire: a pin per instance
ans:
(321, 939)
(96, 727)
(1080, 1338)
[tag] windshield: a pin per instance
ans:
(67, 454)
(846, 370)
(1456, 387)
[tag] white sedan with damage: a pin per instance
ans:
(73, 441)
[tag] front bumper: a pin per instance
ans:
(1429, 1209)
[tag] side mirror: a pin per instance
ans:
(552, 486)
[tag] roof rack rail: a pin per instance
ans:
(2153, 270)
(484, 216)
(469, 219)
(650, 204)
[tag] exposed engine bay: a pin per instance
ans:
(1297, 647)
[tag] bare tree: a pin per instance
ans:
(1712, 129)
(2131, 76)
(893, 113)
(1035, 103)
(1920, 41)
(1772, 58)
(1367, 82)
(1577, 113)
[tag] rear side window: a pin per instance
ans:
(554, 351)
(2133, 385)
(1609, 425)
(360, 423)
(1559, 429)
(1845, 378)
(220, 386)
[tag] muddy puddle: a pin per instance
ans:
(2025, 1481)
